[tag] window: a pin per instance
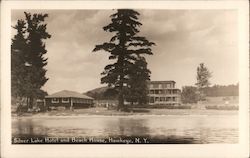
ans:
(65, 100)
(164, 86)
(162, 99)
(168, 85)
(168, 99)
(152, 100)
(155, 86)
(160, 86)
(55, 100)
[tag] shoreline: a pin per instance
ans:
(100, 112)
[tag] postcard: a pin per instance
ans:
(125, 79)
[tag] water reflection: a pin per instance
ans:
(160, 129)
(127, 127)
(28, 127)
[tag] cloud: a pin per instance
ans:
(184, 38)
(195, 36)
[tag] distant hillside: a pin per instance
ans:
(98, 90)
(221, 90)
(102, 93)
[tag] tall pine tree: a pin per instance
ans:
(124, 47)
(18, 58)
(27, 58)
(36, 61)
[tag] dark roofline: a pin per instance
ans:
(170, 81)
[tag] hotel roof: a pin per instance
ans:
(170, 81)
(68, 94)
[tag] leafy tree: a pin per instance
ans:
(27, 58)
(124, 47)
(110, 94)
(203, 76)
(189, 94)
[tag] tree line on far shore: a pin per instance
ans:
(189, 93)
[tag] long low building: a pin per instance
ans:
(164, 93)
(68, 99)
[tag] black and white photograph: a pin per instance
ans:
(126, 76)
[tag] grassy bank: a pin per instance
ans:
(135, 111)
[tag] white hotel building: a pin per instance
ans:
(164, 93)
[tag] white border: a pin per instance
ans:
(206, 150)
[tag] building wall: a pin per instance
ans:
(164, 93)
(82, 103)
(105, 103)
(77, 102)
(49, 103)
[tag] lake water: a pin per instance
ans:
(217, 127)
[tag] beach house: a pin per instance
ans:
(68, 99)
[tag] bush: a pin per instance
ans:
(21, 109)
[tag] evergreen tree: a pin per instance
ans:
(137, 90)
(27, 58)
(124, 47)
(203, 76)
(36, 61)
(18, 68)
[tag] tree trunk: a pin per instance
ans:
(31, 103)
(121, 95)
(132, 105)
(121, 65)
(120, 98)
(27, 101)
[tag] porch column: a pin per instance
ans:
(71, 103)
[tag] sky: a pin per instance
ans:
(184, 39)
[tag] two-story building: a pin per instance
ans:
(164, 93)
